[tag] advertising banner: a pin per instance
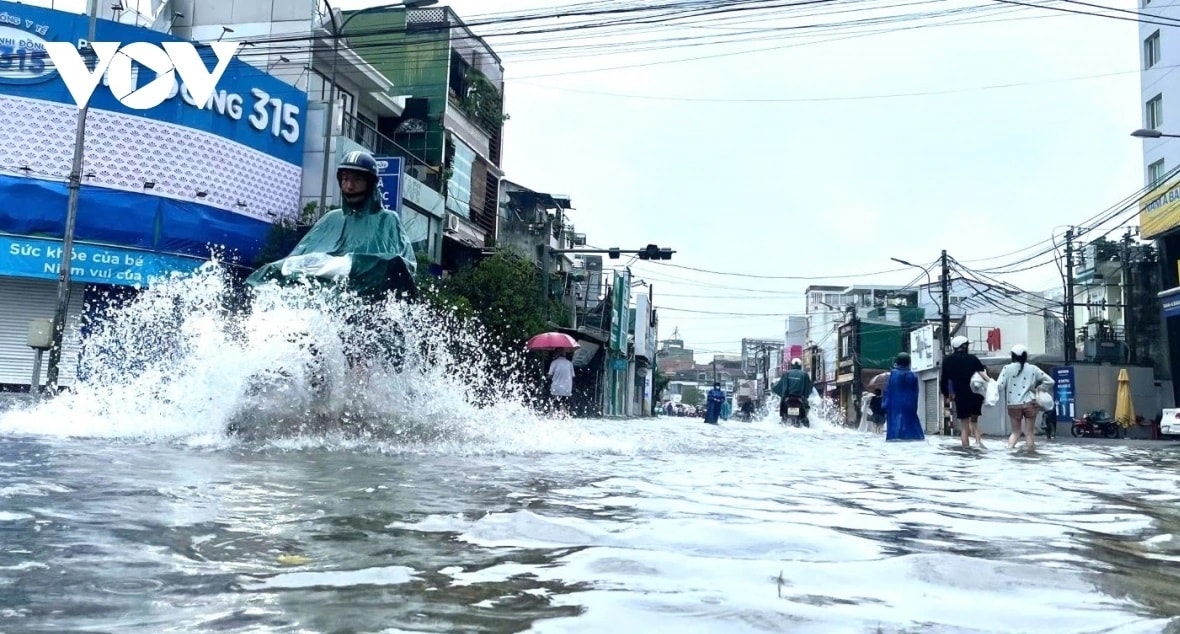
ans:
(177, 177)
(620, 311)
(923, 353)
(38, 258)
(642, 327)
(1065, 393)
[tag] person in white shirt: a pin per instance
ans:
(561, 381)
(1018, 383)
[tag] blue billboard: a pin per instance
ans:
(1065, 393)
(37, 258)
(243, 108)
(176, 179)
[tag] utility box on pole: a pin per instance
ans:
(40, 339)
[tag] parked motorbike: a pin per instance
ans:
(1094, 424)
(793, 413)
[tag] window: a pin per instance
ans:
(1155, 172)
(1151, 50)
(345, 99)
(1155, 112)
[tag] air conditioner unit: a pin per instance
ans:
(452, 223)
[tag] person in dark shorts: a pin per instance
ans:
(957, 371)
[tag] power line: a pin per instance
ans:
(780, 277)
(899, 95)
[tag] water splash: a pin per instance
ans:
(179, 363)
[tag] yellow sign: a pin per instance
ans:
(1159, 210)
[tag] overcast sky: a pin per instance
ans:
(826, 153)
(834, 178)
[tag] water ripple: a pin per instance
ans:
(745, 528)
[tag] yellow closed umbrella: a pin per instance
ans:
(1124, 409)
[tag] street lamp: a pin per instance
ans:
(337, 33)
(1144, 133)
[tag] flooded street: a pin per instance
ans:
(587, 526)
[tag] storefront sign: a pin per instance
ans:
(1170, 303)
(38, 258)
(235, 100)
(1159, 210)
(389, 181)
(422, 196)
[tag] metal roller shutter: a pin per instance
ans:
(933, 406)
(21, 301)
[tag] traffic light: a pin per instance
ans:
(665, 254)
(650, 252)
(613, 253)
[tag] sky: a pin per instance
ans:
(793, 162)
(819, 152)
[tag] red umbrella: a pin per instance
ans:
(552, 341)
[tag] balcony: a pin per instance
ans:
(381, 145)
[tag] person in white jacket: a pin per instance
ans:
(1018, 383)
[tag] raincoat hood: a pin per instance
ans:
(370, 205)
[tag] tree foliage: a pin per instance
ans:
(659, 382)
(501, 292)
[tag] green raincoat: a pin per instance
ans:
(796, 381)
(382, 257)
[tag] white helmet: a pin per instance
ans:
(796, 363)
(1019, 350)
(958, 341)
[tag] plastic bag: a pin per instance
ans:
(992, 393)
(1044, 400)
(979, 384)
(319, 265)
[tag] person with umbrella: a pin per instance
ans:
(561, 382)
(561, 369)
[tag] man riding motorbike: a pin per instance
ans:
(361, 245)
(795, 388)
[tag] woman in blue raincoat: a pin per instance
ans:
(901, 402)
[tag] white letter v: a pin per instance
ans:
(80, 81)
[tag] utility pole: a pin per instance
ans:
(945, 283)
(546, 263)
(1128, 305)
(854, 347)
(67, 242)
(1068, 314)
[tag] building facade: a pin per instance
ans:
(452, 85)
(1159, 210)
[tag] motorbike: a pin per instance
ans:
(793, 413)
(1096, 423)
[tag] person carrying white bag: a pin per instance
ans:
(1025, 389)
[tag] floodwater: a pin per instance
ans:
(126, 508)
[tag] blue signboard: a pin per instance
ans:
(38, 258)
(1170, 304)
(1065, 393)
(249, 107)
(389, 175)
